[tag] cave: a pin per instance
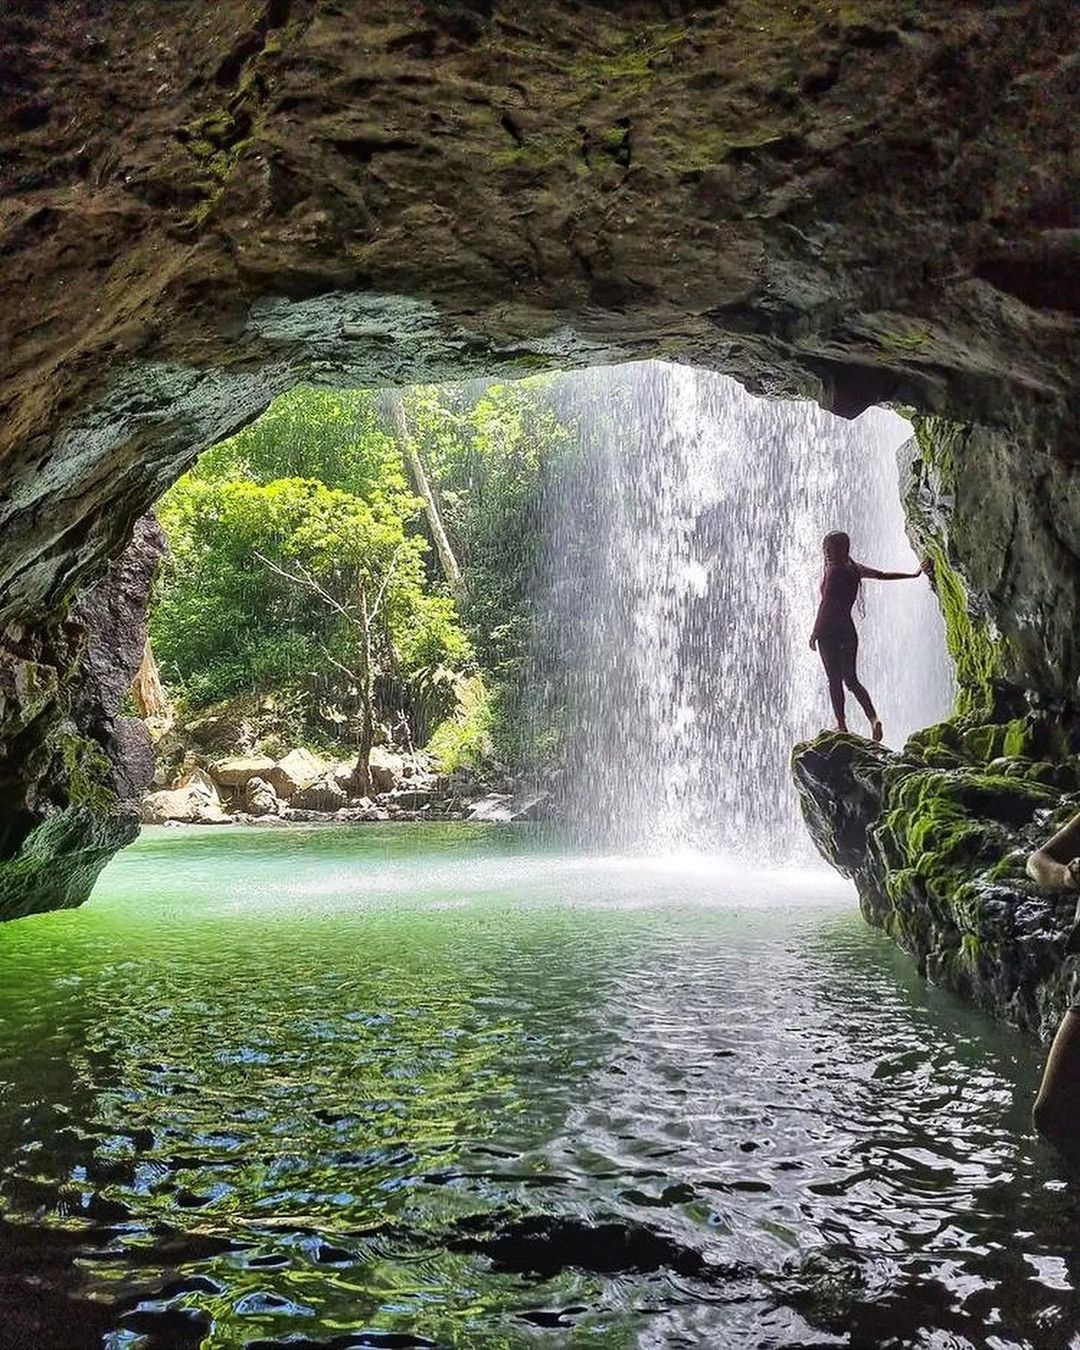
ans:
(419, 1126)
(862, 205)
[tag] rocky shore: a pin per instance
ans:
(300, 787)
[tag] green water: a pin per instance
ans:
(443, 1086)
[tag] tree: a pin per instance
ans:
(411, 453)
(361, 615)
(227, 620)
(147, 690)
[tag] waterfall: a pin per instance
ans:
(678, 591)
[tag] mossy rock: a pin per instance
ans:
(938, 858)
(59, 862)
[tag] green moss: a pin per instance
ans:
(938, 746)
(940, 442)
(970, 947)
(974, 648)
(912, 341)
(541, 152)
(218, 139)
(635, 51)
(86, 769)
(974, 644)
(943, 829)
(1016, 741)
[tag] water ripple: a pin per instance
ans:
(594, 1104)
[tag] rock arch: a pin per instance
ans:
(855, 202)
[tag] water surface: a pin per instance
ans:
(445, 1086)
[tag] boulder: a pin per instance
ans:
(325, 794)
(196, 803)
(260, 799)
(387, 769)
(298, 770)
(506, 806)
(237, 772)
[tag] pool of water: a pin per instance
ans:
(448, 1086)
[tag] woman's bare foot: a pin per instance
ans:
(876, 729)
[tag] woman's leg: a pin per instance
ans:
(832, 660)
(851, 679)
(1056, 1114)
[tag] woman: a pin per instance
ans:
(834, 631)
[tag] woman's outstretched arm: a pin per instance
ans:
(874, 575)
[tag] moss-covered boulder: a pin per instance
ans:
(935, 842)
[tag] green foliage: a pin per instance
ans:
(489, 452)
(464, 741)
(318, 484)
(228, 622)
(336, 436)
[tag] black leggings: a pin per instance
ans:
(838, 657)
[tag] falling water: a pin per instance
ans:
(679, 590)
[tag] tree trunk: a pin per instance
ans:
(362, 772)
(411, 452)
(148, 691)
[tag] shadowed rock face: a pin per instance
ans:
(203, 205)
(859, 203)
(72, 768)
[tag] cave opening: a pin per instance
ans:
(587, 593)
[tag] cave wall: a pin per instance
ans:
(856, 202)
(73, 767)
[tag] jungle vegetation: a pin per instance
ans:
(364, 559)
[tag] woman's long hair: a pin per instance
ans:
(841, 543)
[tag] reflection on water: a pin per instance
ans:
(441, 1087)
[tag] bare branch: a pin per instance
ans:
(350, 674)
(302, 577)
(385, 582)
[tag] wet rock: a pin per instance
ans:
(71, 767)
(937, 856)
(112, 614)
(325, 794)
(260, 799)
(387, 769)
(56, 864)
(506, 806)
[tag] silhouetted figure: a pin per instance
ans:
(1056, 1114)
(834, 632)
